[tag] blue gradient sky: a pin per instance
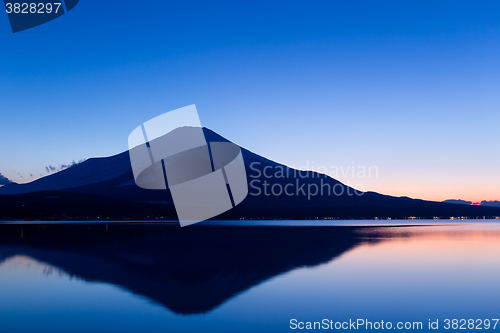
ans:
(411, 87)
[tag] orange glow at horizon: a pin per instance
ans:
(439, 190)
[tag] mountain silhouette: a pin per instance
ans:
(104, 188)
(458, 202)
(4, 180)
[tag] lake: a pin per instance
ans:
(249, 276)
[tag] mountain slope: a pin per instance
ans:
(93, 170)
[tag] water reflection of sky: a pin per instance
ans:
(408, 274)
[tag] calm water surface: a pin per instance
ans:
(160, 278)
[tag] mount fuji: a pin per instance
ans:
(104, 188)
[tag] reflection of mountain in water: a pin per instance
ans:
(188, 270)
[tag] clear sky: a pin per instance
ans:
(411, 87)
